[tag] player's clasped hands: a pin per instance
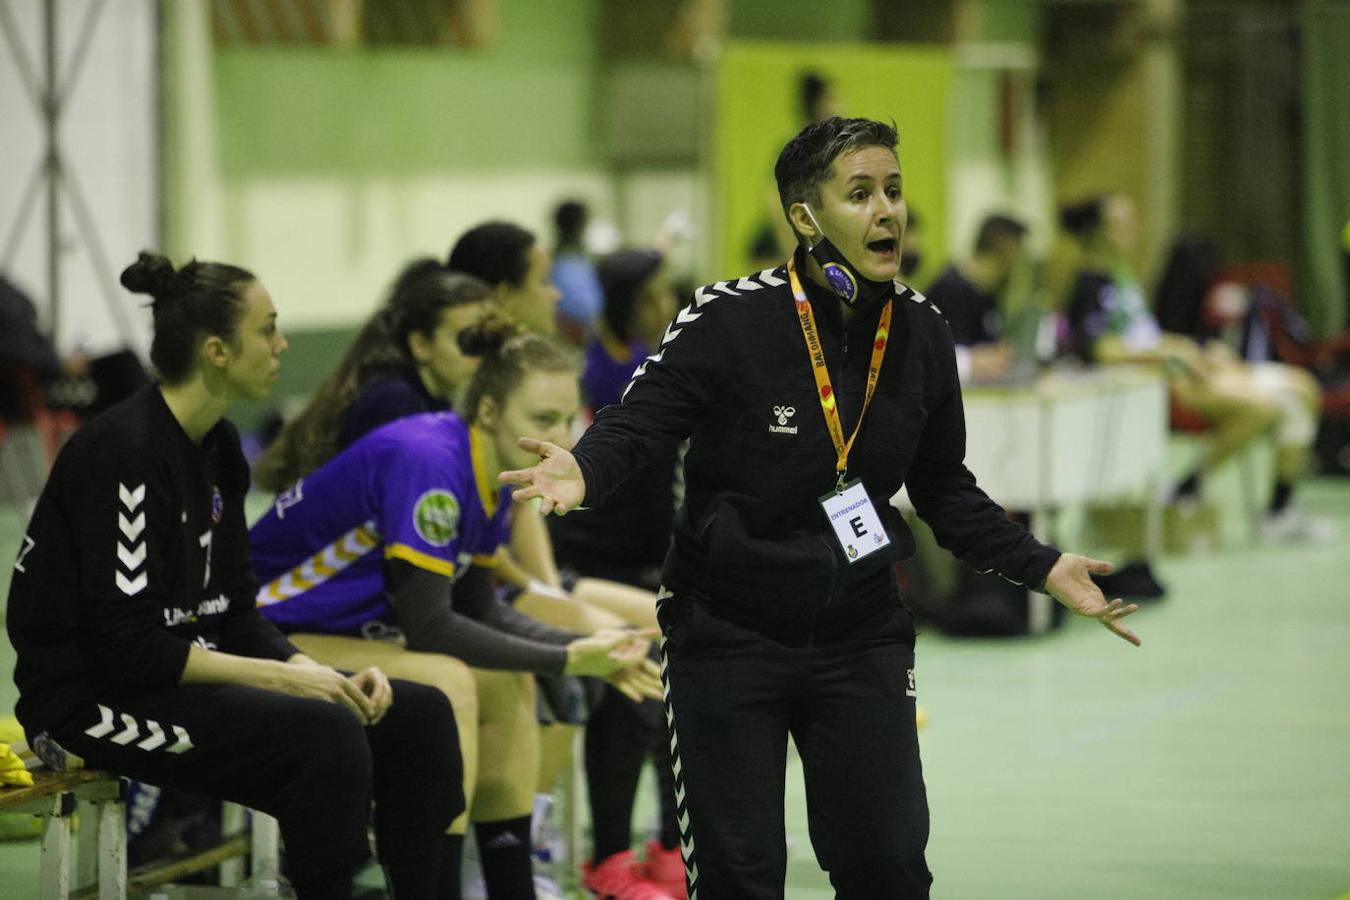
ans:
(1070, 582)
(619, 657)
(366, 694)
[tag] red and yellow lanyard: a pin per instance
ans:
(825, 391)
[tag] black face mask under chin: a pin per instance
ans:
(845, 281)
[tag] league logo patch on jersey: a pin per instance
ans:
(217, 505)
(436, 517)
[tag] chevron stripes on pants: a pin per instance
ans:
(734, 697)
(309, 763)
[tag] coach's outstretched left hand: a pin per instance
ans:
(1070, 583)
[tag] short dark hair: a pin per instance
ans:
(998, 227)
(623, 274)
(494, 252)
(190, 304)
(1082, 219)
(569, 219)
(806, 161)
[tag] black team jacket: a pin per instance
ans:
(137, 549)
(733, 375)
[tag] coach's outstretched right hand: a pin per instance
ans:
(556, 480)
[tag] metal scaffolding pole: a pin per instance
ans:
(49, 96)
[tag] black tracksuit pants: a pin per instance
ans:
(309, 763)
(734, 696)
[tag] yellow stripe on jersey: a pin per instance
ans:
(421, 560)
(488, 489)
(488, 560)
(321, 566)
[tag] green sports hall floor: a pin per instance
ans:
(1212, 763)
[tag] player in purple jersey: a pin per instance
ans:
(398, 535)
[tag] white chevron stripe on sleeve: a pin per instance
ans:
(184, 743)
(129, 734)
(131, 530)
(640, 371)
(770, 279)
(132, 556)
(745, 284)
(130, 498)
(701, 296)
(105, 724)
(132, 587)
(156, 738)
(686, 316)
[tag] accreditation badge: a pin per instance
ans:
(855, 521)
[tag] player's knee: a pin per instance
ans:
(332, 740)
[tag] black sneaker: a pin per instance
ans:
(1132, 581)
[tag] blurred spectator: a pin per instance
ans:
(625, 539)
(911, 245)
(35, 380)
(628, 541)
(1110, 322)
(816, 102)
(816, 98)
(969, 293)
(1251, 307)
(574, 274)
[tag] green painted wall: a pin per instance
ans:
(800, 20)
(525, 101)
(1009, 20)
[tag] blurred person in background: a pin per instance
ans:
(406, 359)
(816, 100)
(1110, 322)
(912, 246)
(140, 650)
(515, 266)
(574, 274)
(970, 294)
(531, 579)
(625, 539)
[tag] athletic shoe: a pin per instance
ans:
(620, 878)
(1292, 525)
(546, 888)
(664, 868)
(1134, 580)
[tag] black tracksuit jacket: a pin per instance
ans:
(751, 539)
(137, 549)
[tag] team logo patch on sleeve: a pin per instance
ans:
(436, 517)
